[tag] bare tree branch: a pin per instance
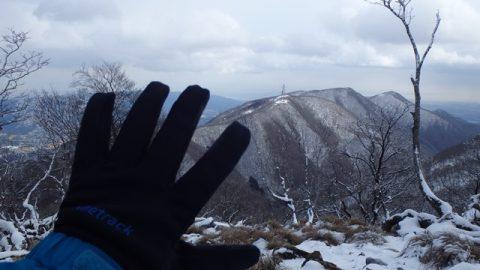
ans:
(15, 66)
(401, 10)
(108, 77)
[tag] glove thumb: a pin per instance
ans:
(213, 257)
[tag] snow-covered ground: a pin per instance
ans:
(351, 246)
(353, 256)
(340, 244)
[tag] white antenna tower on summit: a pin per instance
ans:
(283, 89)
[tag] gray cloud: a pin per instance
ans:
(76, 10)
(257, 46)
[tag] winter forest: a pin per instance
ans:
(337, 178)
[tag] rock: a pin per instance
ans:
(367, 237)
(370, 260)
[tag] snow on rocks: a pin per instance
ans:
(473, 212)
(201, 221)
(351, 256)
(16, 237)
(348, 245)
(192, 238)
(261, 244)
(370, 260)
(465, 266)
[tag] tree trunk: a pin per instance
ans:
(440, 206)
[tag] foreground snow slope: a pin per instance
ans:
(347, 245)
(352, 256)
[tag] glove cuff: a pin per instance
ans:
(128, 251)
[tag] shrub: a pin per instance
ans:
(442, 250)
(241, 235)
(349, 228)
(367, 237)
(314, 233)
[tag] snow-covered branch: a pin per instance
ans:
(287, 200)
(17, 233)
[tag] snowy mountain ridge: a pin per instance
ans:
(325, 118)
(299, 135)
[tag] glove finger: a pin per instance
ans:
(137, 130)
(224, 257)
(195, 188)
(169, 146)
(94, 134)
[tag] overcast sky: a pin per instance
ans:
(249, 48)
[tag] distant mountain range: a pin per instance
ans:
(215, 106)
(297, 130)
(439, 129)
(469, 111)
(307, 127)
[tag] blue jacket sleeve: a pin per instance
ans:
(61, 252)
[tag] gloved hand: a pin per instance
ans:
(125, 200)
(214, 257)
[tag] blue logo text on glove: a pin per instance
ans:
(104, 217)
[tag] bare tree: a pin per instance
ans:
(28, 182)
(473, 208)
(311, 190)
(474, 171)
(286, 199)
(402, 10)
(379, 165)
(15, 66)
(59, 115)
(108, 77)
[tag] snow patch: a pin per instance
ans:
(281, 100)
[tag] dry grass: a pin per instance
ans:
(329, 238)
(354, 230)
(273, 225)
(275, 235)
(313, 233)
(332, 231)
(242, 235)
(443, 250)
(194, 229)
(207, 239)
(275, 244)
(349, 229)
(287, 236)
(268, 263)
(330, 219)
(362, 238)
(300, 225)
(355, 221)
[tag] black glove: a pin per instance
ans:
(125, 200)
(215, 257)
